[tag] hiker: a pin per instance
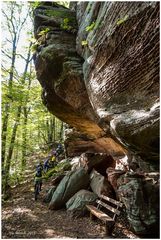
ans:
(53, 160)
(46, 165)
(59, 150)
(38, 174)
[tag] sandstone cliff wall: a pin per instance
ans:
(98, 64)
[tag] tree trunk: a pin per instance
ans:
(4, 133)
(10, 151)
(61, 131)
(24, 140)
(7, 105)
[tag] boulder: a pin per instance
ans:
(76, 205)
(140, 194)
(56, 180)
(49, 195)
(75, 162)
(100, 185)
(113, 175)
(69, 185)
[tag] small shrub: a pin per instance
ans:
(65, 25)
(43, 32)
(34, 47)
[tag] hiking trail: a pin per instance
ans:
(23, 217)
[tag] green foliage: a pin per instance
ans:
(64, 3)
(34, 47)
(90, 27)
(16, 178)
(35, 4)
(62, 166)
(50, 173)
(121, 21)
(58, 169)
(65, 25)
(21, 93)
(84, 43)
(43, 32)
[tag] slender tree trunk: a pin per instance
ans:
(7, 105)
(4, 133)
(24, 140)
(61, 131)
(24, 133)
(54, 129)
(10, 151)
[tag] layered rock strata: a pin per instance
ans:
(107, 83)
(98, 64)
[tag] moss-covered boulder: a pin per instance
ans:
(76, 205)
(70, 184)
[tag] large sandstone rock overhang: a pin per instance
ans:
(107, 87)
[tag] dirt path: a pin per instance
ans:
(22, 217)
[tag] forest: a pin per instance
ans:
(80, 119)
(27, 126)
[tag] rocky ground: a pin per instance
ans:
(23, 217)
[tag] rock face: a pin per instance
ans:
(98, 64)
(77, 143)
(59, 68)
(99, 161)
(107, 84)
(113, 175)
(121, 70)
(140, 194)
(100, 185)
(70, 184)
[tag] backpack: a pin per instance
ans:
(39, 171)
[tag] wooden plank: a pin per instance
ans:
(101, 215)
(112, 200)
(114, 210)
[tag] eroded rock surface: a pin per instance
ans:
(59, 68)
(107, 82)
(140, 194)
(98, 64)
(121, 70)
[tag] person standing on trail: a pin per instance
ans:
(59, 150)
(46, 165)
(38, 175)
